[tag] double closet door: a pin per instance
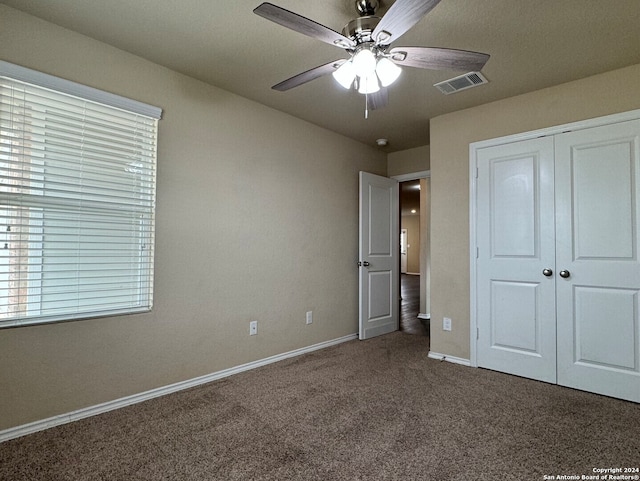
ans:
(557, 268)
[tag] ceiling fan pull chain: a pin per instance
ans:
(366, 106)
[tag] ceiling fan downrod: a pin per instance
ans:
(366, 7)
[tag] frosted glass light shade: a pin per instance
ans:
(369, 84)
(345, 74)
(388, 72)
(364, 63)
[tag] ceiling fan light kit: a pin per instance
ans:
(369, 68)
(388, 72)
(345, 74)
(368, 84)
(372, 65)
(364, 62)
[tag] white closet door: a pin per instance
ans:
(516, 315)
(597, 229)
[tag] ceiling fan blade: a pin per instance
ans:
(400, 17)
(302, 25)
(309, 75)
(379, 99)
(438, 58)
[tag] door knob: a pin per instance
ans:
(565, 274)
(365, 264)
(547, 272)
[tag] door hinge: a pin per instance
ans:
(477, 333)
(476, 172)
(477, 252)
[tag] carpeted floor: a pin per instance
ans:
(362, 410)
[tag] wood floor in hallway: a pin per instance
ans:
(410, 306)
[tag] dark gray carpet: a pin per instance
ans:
(363, 410)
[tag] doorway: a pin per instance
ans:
(380, 285)
(412, 256)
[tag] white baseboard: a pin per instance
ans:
(453, 359)
(43, 424)
(424, 316)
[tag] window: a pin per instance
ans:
(77, 199)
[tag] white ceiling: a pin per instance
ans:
(533, 44)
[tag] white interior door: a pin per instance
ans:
(516, 247)
(598, 219)
(378, 264)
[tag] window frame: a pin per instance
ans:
(109, 100)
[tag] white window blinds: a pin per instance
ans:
(77, 198)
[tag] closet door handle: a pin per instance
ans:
(565, 274)
(547, 272)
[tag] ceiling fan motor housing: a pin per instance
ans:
(360, 29)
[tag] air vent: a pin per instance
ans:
(462, 82)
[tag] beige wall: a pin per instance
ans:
(412, 224)
(408, 161)
(257, 218)
(451, 134)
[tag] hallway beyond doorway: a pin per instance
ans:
(410, 306)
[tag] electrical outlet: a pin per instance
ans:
(446, 324)
(309, 317)
(253, 328)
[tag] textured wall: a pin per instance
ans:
(408, 161)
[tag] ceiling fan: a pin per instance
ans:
(372, 64)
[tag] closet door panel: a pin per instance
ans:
(597, 227)
(516, 242)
